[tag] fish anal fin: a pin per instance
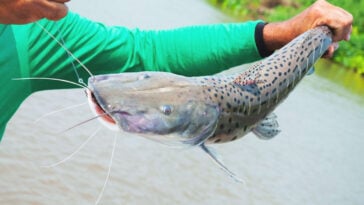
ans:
(217, 159)
(267, 128)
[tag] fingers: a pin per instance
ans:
(52, 9)
(339, 20)
(56, 11)
(342, 26)
(60, 1)
(331, 50)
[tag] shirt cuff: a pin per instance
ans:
(262, 48)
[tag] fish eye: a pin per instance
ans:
(166, 109)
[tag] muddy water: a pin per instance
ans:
(317, 159)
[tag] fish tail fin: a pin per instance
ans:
(217, 159)
(267, 128)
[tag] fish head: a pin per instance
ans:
(160, 106)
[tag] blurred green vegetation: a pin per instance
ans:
(350, 54)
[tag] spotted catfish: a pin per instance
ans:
(196, 111)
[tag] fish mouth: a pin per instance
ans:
(135, 123)
(97, 109)
(117, 119)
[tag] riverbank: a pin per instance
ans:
(350, 54)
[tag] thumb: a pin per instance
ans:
(55, 11)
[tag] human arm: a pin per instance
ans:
(136, 61)
(277, 34)
(196, 50)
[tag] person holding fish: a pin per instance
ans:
(28, 51)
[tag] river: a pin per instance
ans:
(316, 159)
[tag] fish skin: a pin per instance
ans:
(209, 109)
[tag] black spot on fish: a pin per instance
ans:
(304, 69)
(295, 68)
(217, 140)
(228, 105)
(234, 138)
(274, 80)
(274, 90)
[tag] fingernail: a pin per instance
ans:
(348, 37)
(336, 46)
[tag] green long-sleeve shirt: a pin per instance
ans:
(28, 51)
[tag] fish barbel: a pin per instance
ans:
(189, 111)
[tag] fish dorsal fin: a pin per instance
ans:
(217, 159)
(267, 128)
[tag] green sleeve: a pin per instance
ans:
(190, 51)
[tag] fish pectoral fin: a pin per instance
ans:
(311, 71)
(267, 128)
(218, 160)
(206, 127)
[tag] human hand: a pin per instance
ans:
(26, 11)
(320, 13)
